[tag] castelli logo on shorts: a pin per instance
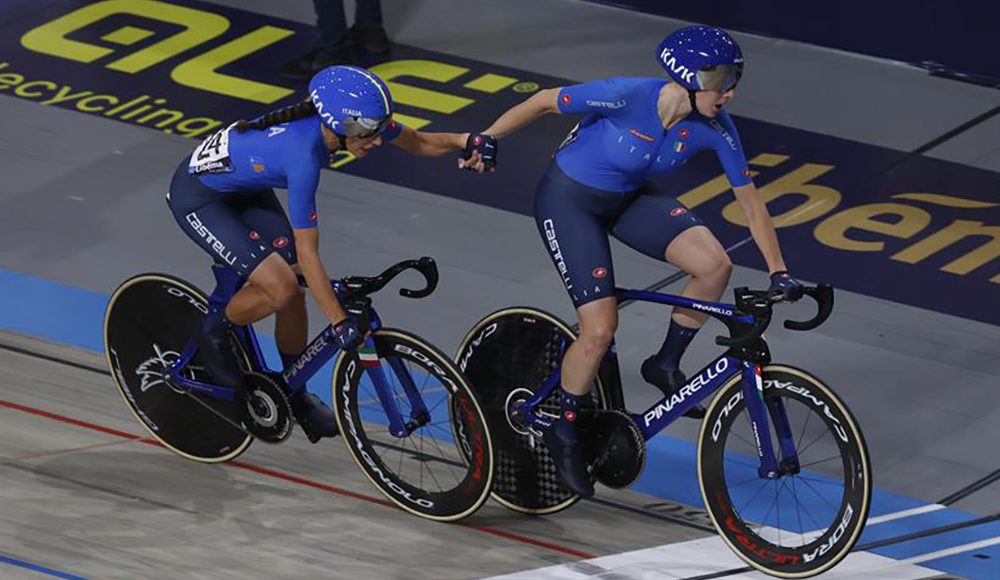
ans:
(565, 98)
(683, 133)
(254, 235)
(570, 416)
(312, 216)
(599, 273)
(280, 242)
(678, 211)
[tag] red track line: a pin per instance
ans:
(69, 420)
(533, 542)
(294, 479)
(312, 484)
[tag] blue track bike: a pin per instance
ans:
(406, 414)
(782, 464)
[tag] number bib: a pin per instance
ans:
(212, 156)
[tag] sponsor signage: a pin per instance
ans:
(189, 68)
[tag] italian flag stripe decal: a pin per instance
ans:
(368, 356)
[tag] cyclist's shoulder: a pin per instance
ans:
(628, 85)
(618, 96)
(719, 130)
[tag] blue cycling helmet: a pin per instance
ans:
(351, 101)
(701, 58)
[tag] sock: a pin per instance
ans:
(677, 341)
(569, 411)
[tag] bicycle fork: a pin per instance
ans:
(753, 394)
(419, 414)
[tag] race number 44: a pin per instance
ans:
(212, 156)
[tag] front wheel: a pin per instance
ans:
(806, 520)
(443, 469)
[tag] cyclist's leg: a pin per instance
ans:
(271, 284)
(699, 253)
(212, 220)
(660, 227)
(271, 287)
(287, 299)
(598, 322)
(572, 219)
(269, 223)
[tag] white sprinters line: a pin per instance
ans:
(905, 514)
(708, 556)
(952, 551)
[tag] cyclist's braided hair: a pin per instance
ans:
(299, 110)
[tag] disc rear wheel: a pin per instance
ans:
(148, 322)
(507, 356)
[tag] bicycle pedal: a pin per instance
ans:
(266, 412)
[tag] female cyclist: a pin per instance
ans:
(222, 198)
(598, 183)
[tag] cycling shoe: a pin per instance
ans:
(569, 456)
(316, 419)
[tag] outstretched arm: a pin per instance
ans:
(517, 117)
(525, 113)
(521, 115)
(429, 144)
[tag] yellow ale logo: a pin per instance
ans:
(199, 27)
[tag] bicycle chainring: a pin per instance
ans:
(618, 447)
(267, 415)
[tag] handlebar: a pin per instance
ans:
(823, 295)
(362, 286)
(760, 304)
(359, 286)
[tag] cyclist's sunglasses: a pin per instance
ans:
(722, 78)
(365, 128)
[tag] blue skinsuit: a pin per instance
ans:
(222, 197)
(598, 181)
